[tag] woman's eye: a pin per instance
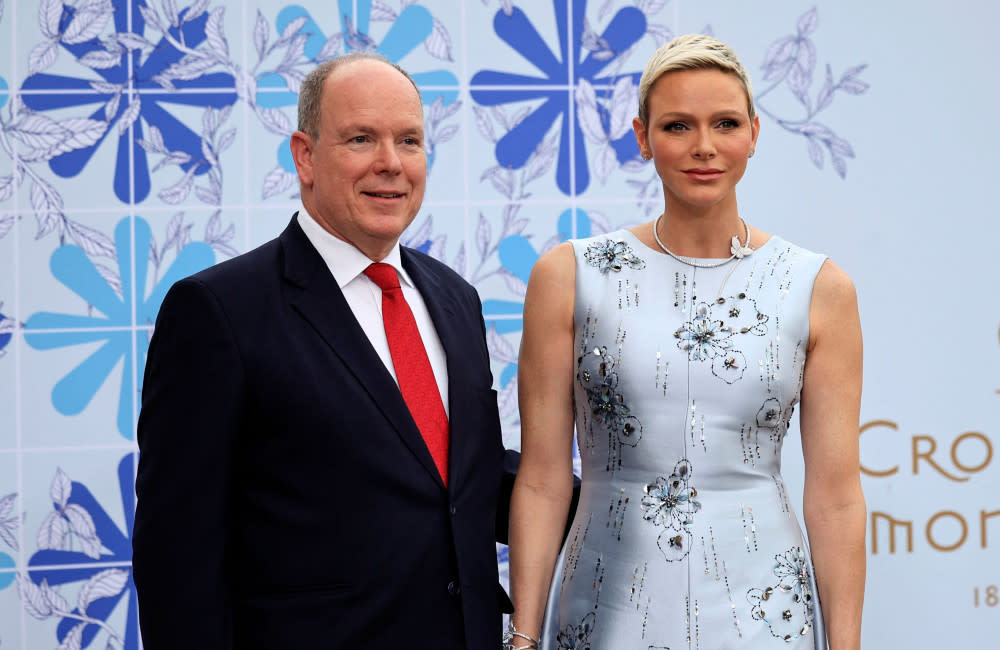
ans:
(729, 124)
(675, 126)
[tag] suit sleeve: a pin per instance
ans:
(193, 400)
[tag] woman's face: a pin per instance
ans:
(699, 135)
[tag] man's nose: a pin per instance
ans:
(388, 159)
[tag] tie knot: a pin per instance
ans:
(384, 275)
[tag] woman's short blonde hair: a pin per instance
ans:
(691, 52)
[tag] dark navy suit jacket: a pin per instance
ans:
(286, 499)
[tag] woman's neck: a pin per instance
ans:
(701, 232)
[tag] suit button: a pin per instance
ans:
(454, 588)
(453, 510)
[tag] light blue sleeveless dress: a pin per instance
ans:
(686, 378)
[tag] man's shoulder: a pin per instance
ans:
(434, 267)
(246, 267)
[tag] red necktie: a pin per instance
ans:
(413, 368)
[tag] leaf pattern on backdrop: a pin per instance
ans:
(90, 551)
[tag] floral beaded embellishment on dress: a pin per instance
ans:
(707, 337)
(787, 607)
(598, 375)
(612, 255)
(670, 502)
(577, 637)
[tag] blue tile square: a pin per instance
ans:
(88, 316)
(79, 509)
(135, 98)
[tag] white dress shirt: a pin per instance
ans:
(347, 264)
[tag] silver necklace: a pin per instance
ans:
(739, 251)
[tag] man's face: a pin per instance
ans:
(363, 178)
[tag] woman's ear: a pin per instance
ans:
(640, 138)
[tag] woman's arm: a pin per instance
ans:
(834, 505)
(544, 484)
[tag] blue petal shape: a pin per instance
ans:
(285, 156)
(518, 32)
(518, 256)
(132, 286)
(71, 266)
(407, 32)
(569, 227)
(193, 258)
(73, 393)
(275, 98)
(441, 83)
(316, 40)
(508, 373)
(503, 309)
(52, 340)
(493, 307)
(514, 148)
(624, 31)
(4, 338)
(563, 180)
(6, 573)
(360, 20)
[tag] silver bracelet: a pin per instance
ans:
(508, 639)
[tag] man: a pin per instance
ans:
(287, 498)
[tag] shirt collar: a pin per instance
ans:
(342, 258)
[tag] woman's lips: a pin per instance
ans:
(703, 174)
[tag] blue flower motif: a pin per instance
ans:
(143, 67)
(562, 72)
(4, 93)
(106, 573)
(124, 337)
(412, 26)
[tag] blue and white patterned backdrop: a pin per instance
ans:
(142, 140)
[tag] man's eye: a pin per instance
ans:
(359, 139)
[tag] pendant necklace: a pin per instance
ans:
(739, 251)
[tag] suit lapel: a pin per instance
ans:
(314, 293)
(439, 298)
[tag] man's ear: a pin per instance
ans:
(302, 149)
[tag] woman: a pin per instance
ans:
(678, 349)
